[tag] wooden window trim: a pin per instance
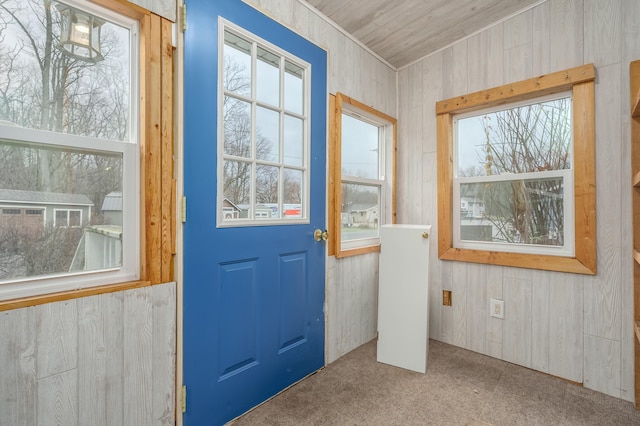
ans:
(336, 103)
(156, 140)
(581, 81)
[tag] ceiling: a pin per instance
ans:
(402, 31)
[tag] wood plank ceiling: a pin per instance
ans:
(402, 31)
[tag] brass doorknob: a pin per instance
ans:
(425, 235)
(320, 235)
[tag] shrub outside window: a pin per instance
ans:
(68, 141)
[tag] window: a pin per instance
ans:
(265, 128)
(362, 157)
(516, 174)
(69, 136)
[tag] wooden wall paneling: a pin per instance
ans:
(331, 315)
(92, 363)
(602, 365)
(415, 169)
(138, 357)
(153, 157)
(57, 401)
(602, 32)
(518, 47)
(494, 325)
(432, 92)
(478, 49)
(566, 33)
(477, 309)
(459, 284)
(164, 353)
(56, 338)
(18, 367)
(166, 152)
(540, 320)
(566, 327)
(112, 305)
(402, 157)
(369, 298)
(446, 312)
(602, 292)
(164, 8)
(540, 40)
(516, 335)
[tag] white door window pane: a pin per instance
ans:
(293, 88)
(360, 211)
(237, 65)
(292, 193)
(267, 187)
(267, 134)
(360, 148)
(268, 77)
(237, 184)
(237, 127)
(293, 141)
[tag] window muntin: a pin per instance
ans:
(515, 162)
(80, 142)
(265, 132)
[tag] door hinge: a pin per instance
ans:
(183, 20)
(184, 209)
(183, 399)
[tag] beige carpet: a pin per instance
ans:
(460, 388)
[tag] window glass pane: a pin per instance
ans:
(292, 193)
(518, 212)
(267, 134)
(237, 127)
(66, 190)
(293, 88)
(360, 211)
(360, 148)
(524, 139)
(268, 77)
(267, 178)
(237, 185)
(56, 91)
(237, 64)
(293, 141)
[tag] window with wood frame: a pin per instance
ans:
(516, 175)
(89, 145)
(362, 179)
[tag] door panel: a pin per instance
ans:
(253, 295)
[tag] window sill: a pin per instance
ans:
(7, 305)
(356, 251)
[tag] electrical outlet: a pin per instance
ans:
(496, 308)
(446, 298)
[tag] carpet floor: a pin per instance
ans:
(460, 388)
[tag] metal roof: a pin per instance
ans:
(112, 202)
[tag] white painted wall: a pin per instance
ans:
(572, 326)
(352, 283)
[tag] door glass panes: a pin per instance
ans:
(360, 211)
(267, 134)
(268, 77)
(237, 65)
(360, 148)
(293, 87)
(264, 156)
(293, 141)
(237, 127)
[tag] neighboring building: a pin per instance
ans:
(471, 207)
(33, 209)
(112, 208)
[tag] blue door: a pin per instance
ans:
(255, 176)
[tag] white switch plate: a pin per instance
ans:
(496, 308)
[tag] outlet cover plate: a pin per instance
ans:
(496, 308)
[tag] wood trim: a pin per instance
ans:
(582, 81)
(636, 328)
(357, 251)
(167, 166)
(331, 189)
(6, 305)
(335, 170)
(526, 89)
